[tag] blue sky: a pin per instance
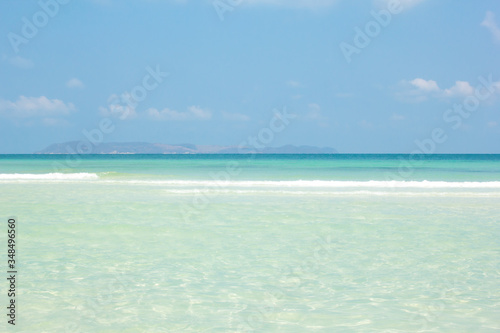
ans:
(352, 82)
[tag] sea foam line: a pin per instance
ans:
(291, 184)
(319, 184)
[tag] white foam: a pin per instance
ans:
(256, 184)
(320, 184)
(49, 176)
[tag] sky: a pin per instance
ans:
(365, 76)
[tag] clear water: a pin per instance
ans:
(295, 243)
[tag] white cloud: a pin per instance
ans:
(35, 106)
(199, 113)
(492, 124)
(424, 85)
(460, 88)
(235, 116)
(118, 111)
(419, 90)
(490, 23)
(75, 83)
(193, 113)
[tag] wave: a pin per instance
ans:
(253, 184)
(49, 176)
(320, 184)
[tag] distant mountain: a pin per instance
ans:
(75, 147)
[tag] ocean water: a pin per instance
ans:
(253, 243)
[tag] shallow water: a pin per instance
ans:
(137, 244)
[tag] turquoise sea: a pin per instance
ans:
(253, 243)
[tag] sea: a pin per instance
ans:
(251, 243)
